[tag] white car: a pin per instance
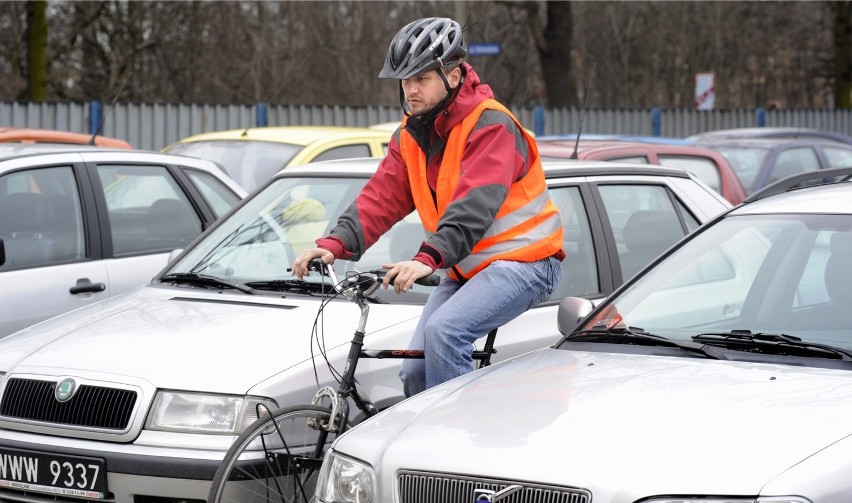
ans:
(723, 374)
(79, 225)
(169, 374)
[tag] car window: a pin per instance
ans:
(41, 221)
(249, 163)
(579, 269)
(762, 273)
(838, 157)
(260, 240)
(702, 167)
(344, 152)
(644, 223)
(218, 195)
(148, 212)
(746, 161)
(792, 161)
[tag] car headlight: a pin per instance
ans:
(204, 413)
(345, 480)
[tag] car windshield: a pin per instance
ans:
(746, 162)
(261, 239)
(249, 163)
(775, 274)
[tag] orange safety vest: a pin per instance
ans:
(527, 227)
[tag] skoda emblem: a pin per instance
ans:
(65, 389)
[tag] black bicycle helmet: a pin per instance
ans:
(422, 45)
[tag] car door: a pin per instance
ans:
(145, 211)
(640, 220)
(51, 247)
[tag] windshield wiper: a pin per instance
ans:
(775, 343)
(293, 286)
(638, 336)
(195, 278)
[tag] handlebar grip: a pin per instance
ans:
(430, 280)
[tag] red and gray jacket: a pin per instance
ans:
(479, 190)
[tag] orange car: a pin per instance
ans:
(28, 135)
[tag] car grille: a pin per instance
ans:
(419, 487)
(90, 407)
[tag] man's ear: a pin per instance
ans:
(454, 77)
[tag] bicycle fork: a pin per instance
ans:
(337, 398)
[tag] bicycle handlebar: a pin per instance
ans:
(376, 275)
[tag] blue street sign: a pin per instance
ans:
(484, 49)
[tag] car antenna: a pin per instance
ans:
(112, 105)
(583, 117)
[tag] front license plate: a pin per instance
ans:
(52, 473)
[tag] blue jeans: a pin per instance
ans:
(457, 314)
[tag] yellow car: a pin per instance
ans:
(252, 156)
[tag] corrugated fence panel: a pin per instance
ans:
(154, 126)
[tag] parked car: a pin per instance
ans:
(708, 165)
(759, 162)
(32, 135)
(81, 225)
(770, 132)
(721, 374)
(666, 140)
(195, 350)
(252, 156)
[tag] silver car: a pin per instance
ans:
(723, 374)
(79, 225)
(172, 371)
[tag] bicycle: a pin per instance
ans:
(278, 457)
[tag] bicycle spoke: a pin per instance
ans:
(275, 460)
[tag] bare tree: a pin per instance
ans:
(37, 50)
(646, 53)
(842, 14)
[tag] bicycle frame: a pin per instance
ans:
(346, 388)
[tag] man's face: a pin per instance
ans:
(425, 90)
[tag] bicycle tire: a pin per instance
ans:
(276, 459)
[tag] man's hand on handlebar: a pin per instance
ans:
(404, 274)
(300, 265)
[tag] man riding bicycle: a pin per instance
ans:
(463, 161)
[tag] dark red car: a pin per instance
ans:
(708, 165)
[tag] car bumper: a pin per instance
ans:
(134, 473)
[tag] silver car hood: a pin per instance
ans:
(605, 422)
(158, 334)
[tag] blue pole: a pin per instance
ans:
(760, 114)
(95, 115)
(656, 121)
(538, 114)
(261, 115)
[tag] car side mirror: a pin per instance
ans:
(174, 254)
(572, 310)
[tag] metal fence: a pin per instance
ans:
(154, 126)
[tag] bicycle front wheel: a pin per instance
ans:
(277, 459)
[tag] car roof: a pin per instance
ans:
(297, 135)
(10, 150)
(771, 132)
(768, 142)
(366, 166)
(666, 140)
(833, 198)
(53, 136)
(560, 147)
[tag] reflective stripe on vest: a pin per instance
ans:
(526, 228)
